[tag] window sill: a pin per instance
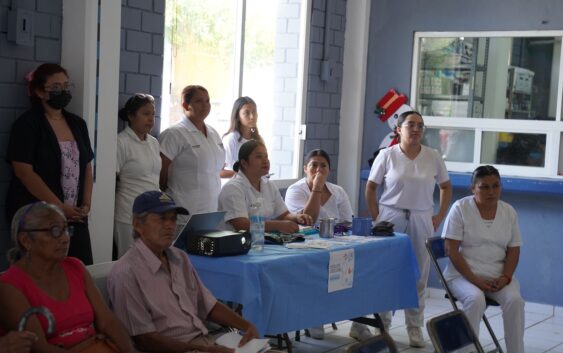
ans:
(512, 184)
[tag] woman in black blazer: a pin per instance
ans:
(50, 153)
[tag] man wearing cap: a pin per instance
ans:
(156, 292)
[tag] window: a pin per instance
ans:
(241, 48)
(492, 98)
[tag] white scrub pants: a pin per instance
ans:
(511, 303)
(418, 226)
(123, 237)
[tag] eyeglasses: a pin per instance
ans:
(57, 87)
(56, 231)
(414, 126)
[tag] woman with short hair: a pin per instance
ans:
(42, 275)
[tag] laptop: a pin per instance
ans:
(198, 222)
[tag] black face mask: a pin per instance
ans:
(59, 99)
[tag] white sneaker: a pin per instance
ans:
(317, 332)
(360, 332)
(416, 339)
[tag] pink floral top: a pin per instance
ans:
(70, 171)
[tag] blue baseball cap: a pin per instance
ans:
(156, 202)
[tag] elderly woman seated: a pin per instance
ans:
(41, 274)
(483, 245)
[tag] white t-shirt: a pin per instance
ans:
(337, 206)
(238, 194)
(138, 169)
(232, 145)
(483, 248)
(408, 184)
(193, 175)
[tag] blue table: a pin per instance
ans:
(283, 290)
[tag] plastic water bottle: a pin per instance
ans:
(257, 225)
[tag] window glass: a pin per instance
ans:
(201, 48)
(513, 149)
(488, 77)
(455, 145)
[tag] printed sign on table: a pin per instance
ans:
(341, 270)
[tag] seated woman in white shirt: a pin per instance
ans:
(314, 195)
(244, 119)
(483, 243)
(248, 185)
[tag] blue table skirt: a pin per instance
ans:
(283, 290)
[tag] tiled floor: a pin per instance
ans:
(544, 330)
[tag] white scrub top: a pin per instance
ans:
(193, 175)
(232, 145)
(337, 206)
(238, 194)
(138, 168)
(408, 184)
(482, 247)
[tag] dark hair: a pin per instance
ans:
(189, 92)
(39, 77)
(483, 171)
(235, 118)
(375, 154)
(315, 153)
(401, 119)
(245, 151)
(133, 105)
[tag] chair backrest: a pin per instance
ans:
(451, 332)
(99, 273)
(382, 343)
(436, 247)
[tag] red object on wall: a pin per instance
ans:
(390, 102)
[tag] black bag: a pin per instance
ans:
(383, 229)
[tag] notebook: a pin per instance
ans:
(201, 221)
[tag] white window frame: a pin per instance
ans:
(552, 129)
(302, 79)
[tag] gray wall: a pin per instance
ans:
(392, 27)
(142, 48)
(15, 62)
(323, 98)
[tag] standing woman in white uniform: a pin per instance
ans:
(409, 172)
(192, 155)
(244, 118)
(138, 164)
(248, 186)
(483, 243)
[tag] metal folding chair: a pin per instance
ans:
(436, 250)
(382, 343)
(451, 332)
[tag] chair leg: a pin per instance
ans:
(298, 335)
(288, 343)
(334, 327)
(492, 334)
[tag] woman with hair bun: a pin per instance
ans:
(51, 156)
(248, 186)
(138, 164)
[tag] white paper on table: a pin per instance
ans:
(232, 339)
(341, 270)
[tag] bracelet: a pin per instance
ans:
(508, 278)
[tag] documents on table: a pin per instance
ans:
(341, 270)
(232, 339)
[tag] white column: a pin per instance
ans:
(353, 98)
(80, 57)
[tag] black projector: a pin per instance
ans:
(217, 242)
